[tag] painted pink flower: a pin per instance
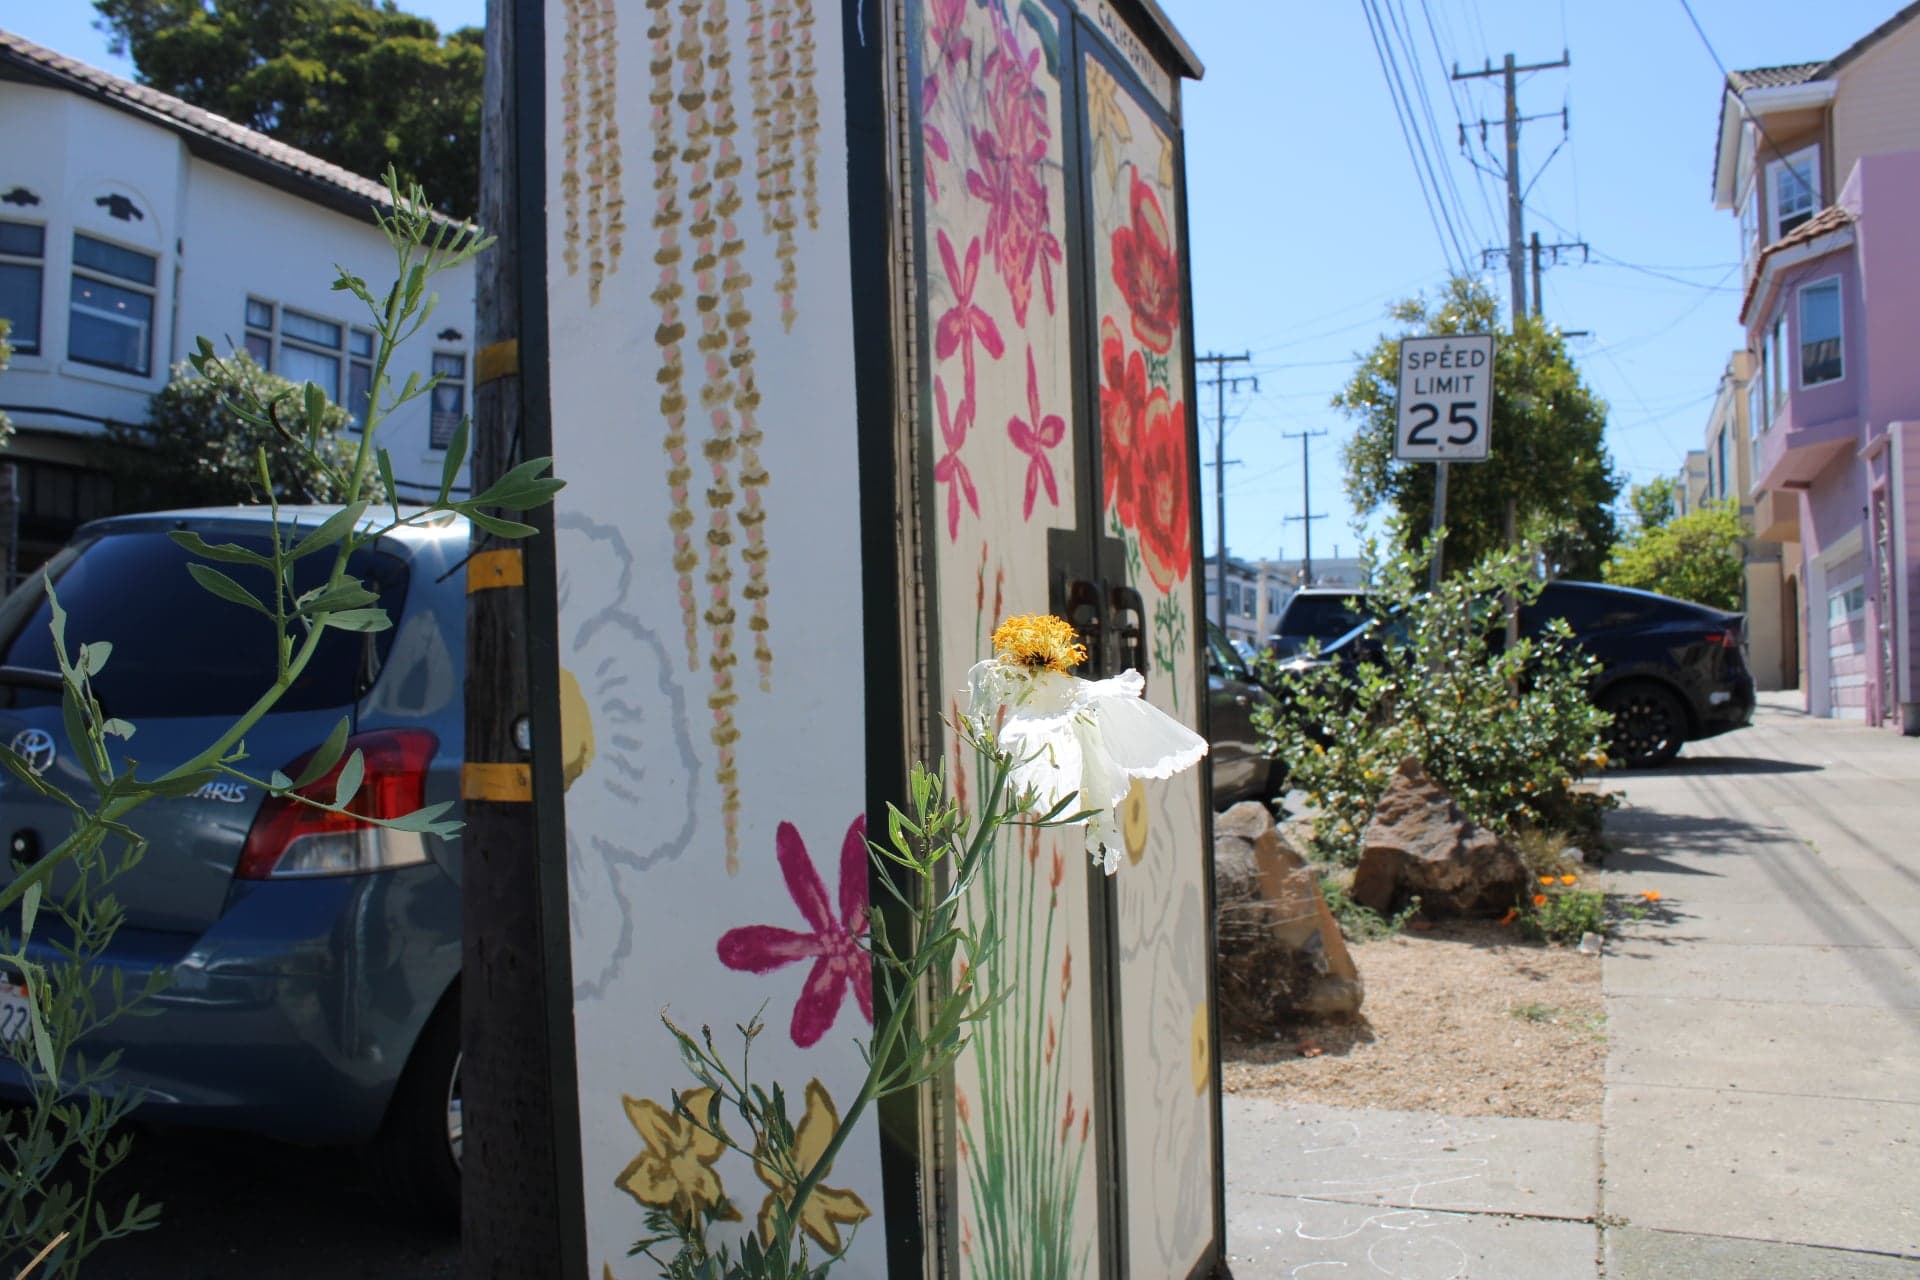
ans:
(946, 26)
(965, 320)
(834, 943)
(1010, 176)
(1033, 437)
(950, 470)
(936, 140)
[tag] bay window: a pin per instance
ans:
(110, 317)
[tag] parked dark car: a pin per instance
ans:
(1671, 671)
(311, 961)
(1316, 613)
(1241, 768)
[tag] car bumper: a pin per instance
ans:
(1728, 709)
(294, 1013)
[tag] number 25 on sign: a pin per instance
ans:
(1446, 398)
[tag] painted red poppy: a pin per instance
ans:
(1160, 478)
(1123, 407)
(1145, 269)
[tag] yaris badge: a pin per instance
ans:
(35, 749)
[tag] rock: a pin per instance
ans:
(1590, 944)
(1418, 844)
(1281, 955)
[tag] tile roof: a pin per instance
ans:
(213, 136)
(1774, 77)
(1832, 218)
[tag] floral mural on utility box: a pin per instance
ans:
(1146, 485)
(997, 400)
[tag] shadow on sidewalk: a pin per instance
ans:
(1711, 766)
(1648, 840)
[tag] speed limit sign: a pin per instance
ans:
(1446, 398)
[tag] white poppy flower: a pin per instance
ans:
(1073, 739)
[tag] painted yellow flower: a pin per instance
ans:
(1133, 822)
(828, 1208)
(675, 1169)
(1200, 1054)
(1111, 131)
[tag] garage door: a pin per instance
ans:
(1847, 640)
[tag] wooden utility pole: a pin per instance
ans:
(1222, 384)
(513, 1225)
(1516, 250)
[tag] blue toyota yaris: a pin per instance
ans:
(311, 962)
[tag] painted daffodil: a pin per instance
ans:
(674, 1170)
(827, 1208)
(1073, 741)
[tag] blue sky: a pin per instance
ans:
(1307, 218)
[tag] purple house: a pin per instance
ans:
(1821, 161)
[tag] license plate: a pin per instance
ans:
(16, 1018)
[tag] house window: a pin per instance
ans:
(23, 250)
(1820, 333)
(110, 320)
(1759, 409)
(308, 348)
(260, 332)
(1721, 486)
(1794, 185)
(1777, 387)
(449, 396)
(1750, 228)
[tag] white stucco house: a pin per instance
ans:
(132, 223)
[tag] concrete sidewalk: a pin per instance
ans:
(1762, 1115)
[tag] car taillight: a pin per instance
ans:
(1729, 639)
(292, 839)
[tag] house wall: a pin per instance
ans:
(1905, 464)
(218, 238)
(1885, 191)
(1877, 107)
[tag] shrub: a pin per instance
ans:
(198, 449)
(1506, 729)
(1559, 914)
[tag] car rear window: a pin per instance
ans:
(1322, 616)
(177, 650)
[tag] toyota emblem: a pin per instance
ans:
(35, 749)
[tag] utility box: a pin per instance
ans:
(865, 325)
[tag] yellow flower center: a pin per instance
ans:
(1038, 640)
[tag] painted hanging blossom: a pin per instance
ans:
(966, 319)
(950, 470)
(1010, 177)
(1034, 436)
(1145, 270)
(834, 943)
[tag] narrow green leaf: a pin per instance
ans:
(358, 620)
(350, 775)
(278, 781)
(382, 461)
(495, 524)
(427, 819)
(29, 908)
(347, 593)
(231, 553)
(117, 729)
(42, 1042)
(456, 454)
(226, 588)
(327, 756)
(522, 487)
(331, 530)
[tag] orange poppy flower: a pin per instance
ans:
(1651, 895)
(1539, 899)
(1569, 879)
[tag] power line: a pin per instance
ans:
(1223, 384)
(1511, 122)
(1436, 210)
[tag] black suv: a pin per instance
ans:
(1316, 613)
(1671, 672)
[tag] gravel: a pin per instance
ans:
(1465, 1018)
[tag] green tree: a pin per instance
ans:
(1698, 556)
(6, 354)
(1547, 453)
(364, 85)
(197, 449)
(1654, 502)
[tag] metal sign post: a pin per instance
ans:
(1445, 412)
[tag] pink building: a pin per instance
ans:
(1821, 161)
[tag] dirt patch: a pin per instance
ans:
(1466, 1019)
